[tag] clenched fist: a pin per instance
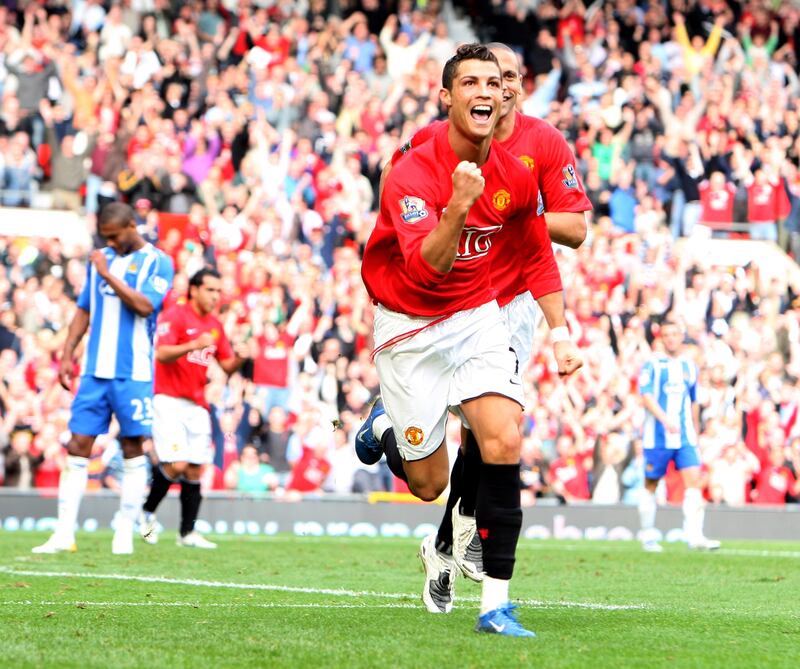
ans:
(468, 183)
(567, 357)
(203, 341)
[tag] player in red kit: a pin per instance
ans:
(544, 151)
(440, 338)
(189, 336)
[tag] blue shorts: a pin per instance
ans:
(130, 401)
(656, 460)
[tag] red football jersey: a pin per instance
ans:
(573, 476)
(186, 377)
(543, 149)
(271, 367)
(766, 202)
(717, 205)
(415, 196)
(773, 483)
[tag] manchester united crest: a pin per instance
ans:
(501, 199)
(529, 162)
(414, 435)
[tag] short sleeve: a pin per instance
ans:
(159, 281)
(85, 297)
(646, 378)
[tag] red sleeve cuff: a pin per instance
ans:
(421, 271)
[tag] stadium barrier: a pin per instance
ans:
(354, 516)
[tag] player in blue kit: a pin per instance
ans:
(668, 385)
(125, 287)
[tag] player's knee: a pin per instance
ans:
(179, 468)
(430, 489)
(80, 446)
(428, 492)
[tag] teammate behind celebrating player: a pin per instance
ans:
(124, 290)
(668, 385)
(189, 337)
(440, 338)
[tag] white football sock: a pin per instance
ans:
(71, 486)
(693, 515)
(134, 482)
(380, 425)
(493, 594)
(647, 513)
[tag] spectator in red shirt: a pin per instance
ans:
(274, 367)
(775, 481)
(716, 198)
(766, 203)
(567, 476)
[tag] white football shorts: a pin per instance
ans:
(523, 316)
(181, 431)
(442, 365)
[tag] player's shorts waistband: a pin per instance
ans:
(411, 325)
(422, 321)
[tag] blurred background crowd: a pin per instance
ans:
(250, 136)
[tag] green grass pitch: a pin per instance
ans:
(290, 601)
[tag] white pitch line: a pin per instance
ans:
(751, 552)
(211, 584)
(196, 605)
(311, 591)
(628, 547)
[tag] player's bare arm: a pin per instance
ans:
(77, 328)
(567, 355)
(439, 248)
(384, 175)
(660, 415)
(566, 227)
(171, 352)
(241, 354)
(131, 298)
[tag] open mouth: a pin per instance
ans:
(481, 113)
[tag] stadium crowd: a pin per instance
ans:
(250, 136)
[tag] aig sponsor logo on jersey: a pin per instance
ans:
(203, 356)
(570, 179)
(476, 242)
(412, 209)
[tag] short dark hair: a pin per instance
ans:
(472, 51)
(198, 278)
(116, 212)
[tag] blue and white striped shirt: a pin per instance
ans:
(120, 341)
(672, 382)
